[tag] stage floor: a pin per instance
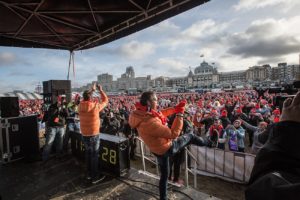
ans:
(64, 179)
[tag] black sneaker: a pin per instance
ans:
(98, 179)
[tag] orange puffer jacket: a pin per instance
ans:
(157, 137)
(89, 115)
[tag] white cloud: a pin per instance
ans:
(137, 50)
(275, 27)
(166, 26)
(201, 31)
(172, 66)
(25, 86)
(267, 38)
(7, 58)
(285, 5)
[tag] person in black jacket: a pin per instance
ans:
(56, 119)
(276, 172)
(131, 135)
(176, 160)
(224, 119)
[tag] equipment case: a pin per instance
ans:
(18, 138)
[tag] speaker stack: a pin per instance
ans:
(54, 88)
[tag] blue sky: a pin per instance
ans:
(233, 34)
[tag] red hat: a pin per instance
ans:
(276, 111)
(224, 113)
(239, 111)
(213, 111)
(276, 119)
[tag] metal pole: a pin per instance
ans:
(186, 170)
(69, 65)
(157, 170)
(195, 175)
(143, 159)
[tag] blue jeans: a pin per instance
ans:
(163, 160)
(54, 134)
(92, 146)
(71, 127)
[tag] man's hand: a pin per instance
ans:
(291, 109)
(179, 108)
(94, 87)
(99, 87)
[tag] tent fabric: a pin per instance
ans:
(77, 25)
(23, 95)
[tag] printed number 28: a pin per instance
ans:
(112, 155)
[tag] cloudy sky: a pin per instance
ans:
(233, 34)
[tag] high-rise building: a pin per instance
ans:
(105, 78)
(258, 73)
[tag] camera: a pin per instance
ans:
(290, 90)
(278, 101)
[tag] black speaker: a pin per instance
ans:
(54, 88)
(9, 106)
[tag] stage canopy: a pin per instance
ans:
(80, 24)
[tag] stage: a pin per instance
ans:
(64, 178)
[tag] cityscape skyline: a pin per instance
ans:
(204, 76)
(235, 35)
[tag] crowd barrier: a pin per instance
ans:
(231, 166)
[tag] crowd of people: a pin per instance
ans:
(167, 123)
(30, 107)
(225, 118)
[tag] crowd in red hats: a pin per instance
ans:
(209, 113)
(30, 107)
(217, 113)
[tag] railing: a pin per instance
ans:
(143, 151)
(231, 166)
(187, 169)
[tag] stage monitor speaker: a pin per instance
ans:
(9, 107)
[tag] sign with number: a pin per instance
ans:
(109, 155)
(113, 153)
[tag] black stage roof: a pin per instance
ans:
(80, 24)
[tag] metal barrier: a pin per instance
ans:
(232, 166)
(187, 170)
(143, 151)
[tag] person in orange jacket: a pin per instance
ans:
(90, 128)
(161, 140)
